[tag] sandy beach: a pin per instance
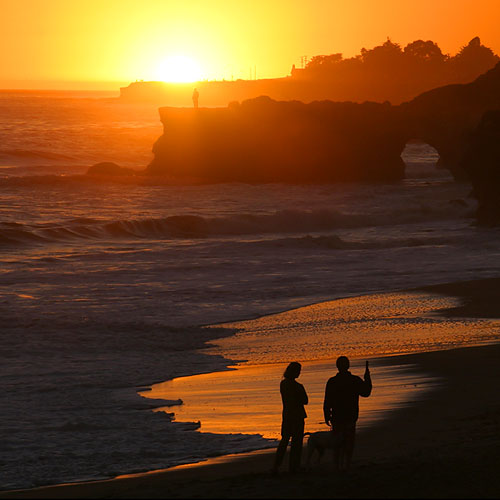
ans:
(444, 446)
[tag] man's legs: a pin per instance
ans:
(350, 434)
(338, 446)
(343, 433)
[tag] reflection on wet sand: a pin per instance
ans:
(246, 399)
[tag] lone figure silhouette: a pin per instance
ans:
(196, 94)
(294, 397)
(341, 409)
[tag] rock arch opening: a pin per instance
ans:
(421, 160)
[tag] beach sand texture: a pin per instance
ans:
(444, 445)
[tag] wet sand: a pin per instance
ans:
(447, 445)
(246, 400)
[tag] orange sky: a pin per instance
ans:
(102, 44)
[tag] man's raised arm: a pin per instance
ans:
(366, 386)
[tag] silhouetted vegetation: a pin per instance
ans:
(390, 72)
(387, 72)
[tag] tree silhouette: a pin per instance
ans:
(428, 52)
(472, 60)
(324, 64)
(385, 57)
(387, 72)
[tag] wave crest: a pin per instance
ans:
(182, 226)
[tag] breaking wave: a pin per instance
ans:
(35, 154)
(180, 226)
(334, 242)
(198, 227)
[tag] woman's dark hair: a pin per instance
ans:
(292, 370)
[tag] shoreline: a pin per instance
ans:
(468, 290)
(442, 450)
(418, 438)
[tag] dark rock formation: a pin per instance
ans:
(446, 116)
(481, 162)
(263, 140)
(109, 168)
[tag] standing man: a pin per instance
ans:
(341, 409)
(196, 94)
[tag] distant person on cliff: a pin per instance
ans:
(294, 397)
(341, 409)
(196, 94)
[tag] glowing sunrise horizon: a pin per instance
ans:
(178, 69)
(60, 44)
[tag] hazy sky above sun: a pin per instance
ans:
(107, 43)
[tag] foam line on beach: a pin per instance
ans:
(417, 452)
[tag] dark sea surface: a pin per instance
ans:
(105, 286)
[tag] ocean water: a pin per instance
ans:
(106, 288)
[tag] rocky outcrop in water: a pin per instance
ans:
(445, 117)
(263, 140)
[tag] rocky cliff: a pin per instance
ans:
(481, 162)
(263, 140)
(446, 117)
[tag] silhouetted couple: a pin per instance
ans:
(340, 407)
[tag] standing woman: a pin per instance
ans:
(294, 398)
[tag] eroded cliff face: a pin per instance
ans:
(481, 162)
(446, 117)
(262, 140)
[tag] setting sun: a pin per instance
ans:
(178, 69)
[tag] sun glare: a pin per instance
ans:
(179, 69)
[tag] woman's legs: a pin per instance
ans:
(280, 451)
(294, 430)
(296, 448)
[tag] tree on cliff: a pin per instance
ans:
(382, 58)
(428, 52)
(472, 60)
(324, 65)
(388, 72)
